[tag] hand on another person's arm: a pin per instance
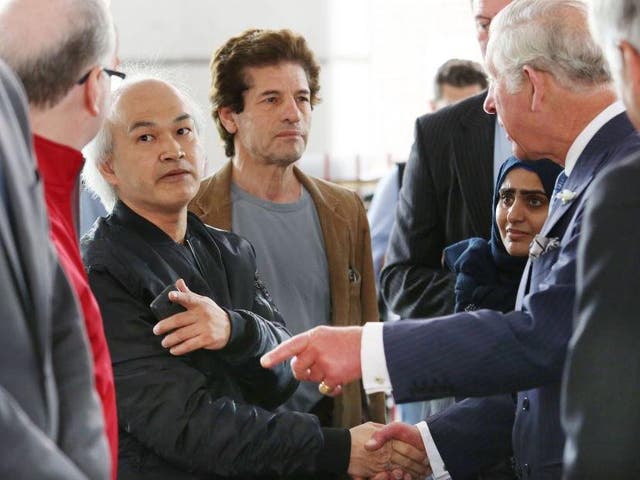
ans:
(203, 325)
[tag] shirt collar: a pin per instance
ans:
(581, 141)
(122, 214)
(59, 164)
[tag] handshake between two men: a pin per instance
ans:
(330, 356)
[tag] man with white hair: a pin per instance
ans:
(193, 400)
(602, 375)
(551, 91)
(64, 52)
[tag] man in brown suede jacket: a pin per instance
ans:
(311, 237)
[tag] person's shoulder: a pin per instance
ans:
(619, 182)
(208, 183)
(100, 245)
(343, 196)
(217, 184)
(468, 108)
(226, 241)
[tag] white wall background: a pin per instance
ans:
(378, 59)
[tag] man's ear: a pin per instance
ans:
(227, 117)
(106, 170)
(535, 81)
(631, 65)
(93, 92)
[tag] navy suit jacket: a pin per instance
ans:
(486, 352)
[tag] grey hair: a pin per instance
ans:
(550, 36)
(613, 21)
(101, 148)
(48, 67)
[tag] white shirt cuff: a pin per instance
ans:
(375, 375)
(435, 460)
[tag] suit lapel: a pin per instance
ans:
(596, 155)
(473, 162)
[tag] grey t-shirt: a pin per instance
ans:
(292, 262)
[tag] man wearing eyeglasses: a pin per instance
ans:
(64, 52)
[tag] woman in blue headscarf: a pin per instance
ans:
(488, 272)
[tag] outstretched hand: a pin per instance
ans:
(323, 354)
(203, 325)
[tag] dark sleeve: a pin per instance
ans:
(252, 337)
(473, 434)
(413, 282)
(478, 281)
(487, 352)
(199, 422)
(253, 333)
(602, 377)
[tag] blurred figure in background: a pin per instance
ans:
(446, 195)
(455, 80)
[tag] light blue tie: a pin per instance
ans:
(560, 181)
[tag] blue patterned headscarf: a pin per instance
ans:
(487, 276)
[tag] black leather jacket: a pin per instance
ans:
(204, 414)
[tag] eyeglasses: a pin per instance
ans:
(108, 71)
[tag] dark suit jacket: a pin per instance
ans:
(49, 413)
(486, 352)
(602, 376)
(445, 197)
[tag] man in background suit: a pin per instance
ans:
(446, 195)
(455, 81)
(552, 92)
(49, 414)
(602, 375)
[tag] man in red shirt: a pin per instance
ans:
(64, 52)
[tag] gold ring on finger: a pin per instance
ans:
(324, 389)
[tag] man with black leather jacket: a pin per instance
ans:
(193, 400)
